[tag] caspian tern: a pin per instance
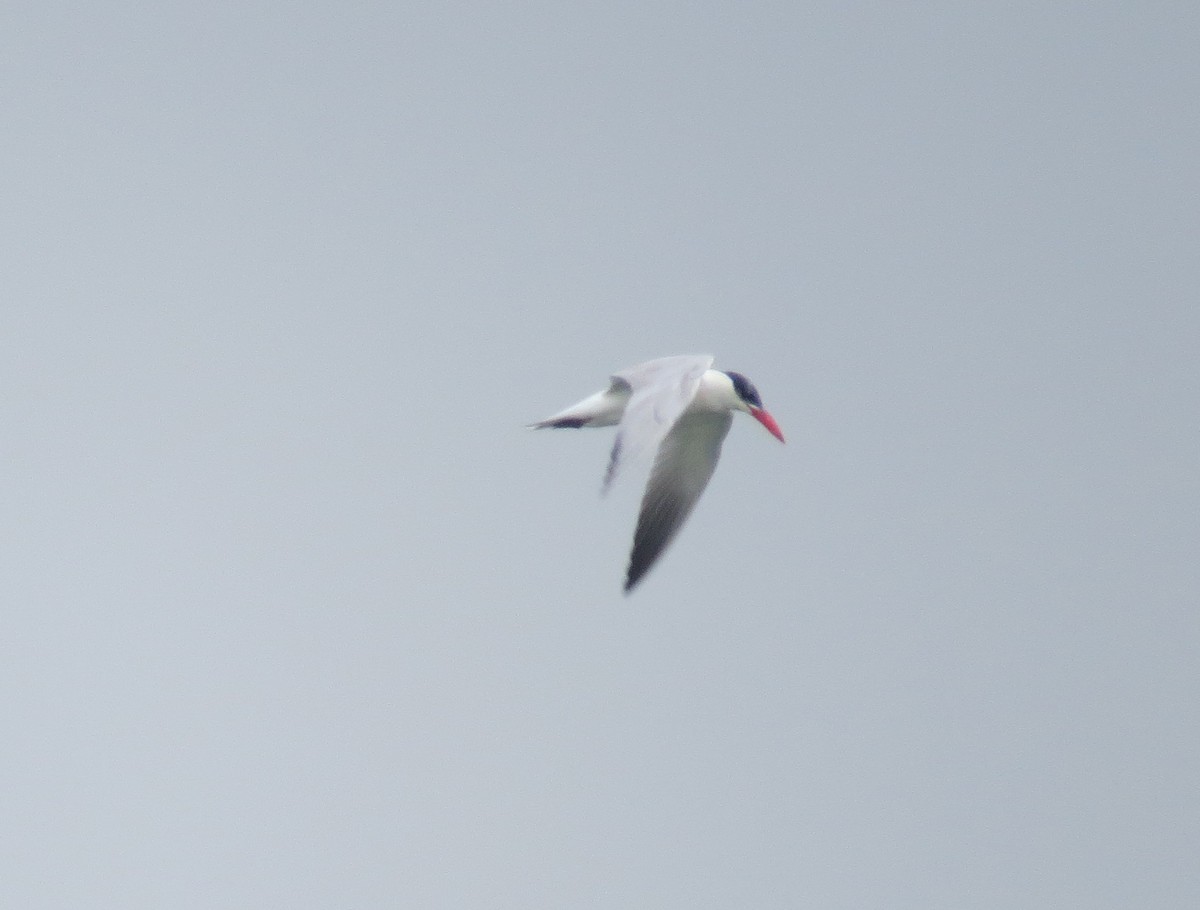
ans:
(682, 407)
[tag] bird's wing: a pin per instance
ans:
(600, 410)
(685, 462)
(661, 391)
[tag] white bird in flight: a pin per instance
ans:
(681, 407)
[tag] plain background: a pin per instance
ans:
(296, 614)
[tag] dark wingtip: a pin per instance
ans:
(570, 423)
(633, 576)
(614, 458)
(630, 581)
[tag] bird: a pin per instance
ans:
(681, 407)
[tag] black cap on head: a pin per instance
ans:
(745, 389)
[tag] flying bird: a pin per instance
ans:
(681, 407)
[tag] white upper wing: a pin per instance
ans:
(662, 390)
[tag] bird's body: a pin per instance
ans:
(683, 409)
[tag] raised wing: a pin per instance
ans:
(686, 460)
(662, 390)
(600, 410)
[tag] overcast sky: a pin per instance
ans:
(297, 615)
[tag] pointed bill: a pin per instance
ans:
(767, 421)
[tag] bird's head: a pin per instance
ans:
(748, 401)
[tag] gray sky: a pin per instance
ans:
(297, 615)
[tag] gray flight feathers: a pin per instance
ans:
(685, 463)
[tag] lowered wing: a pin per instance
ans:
(686, 460)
